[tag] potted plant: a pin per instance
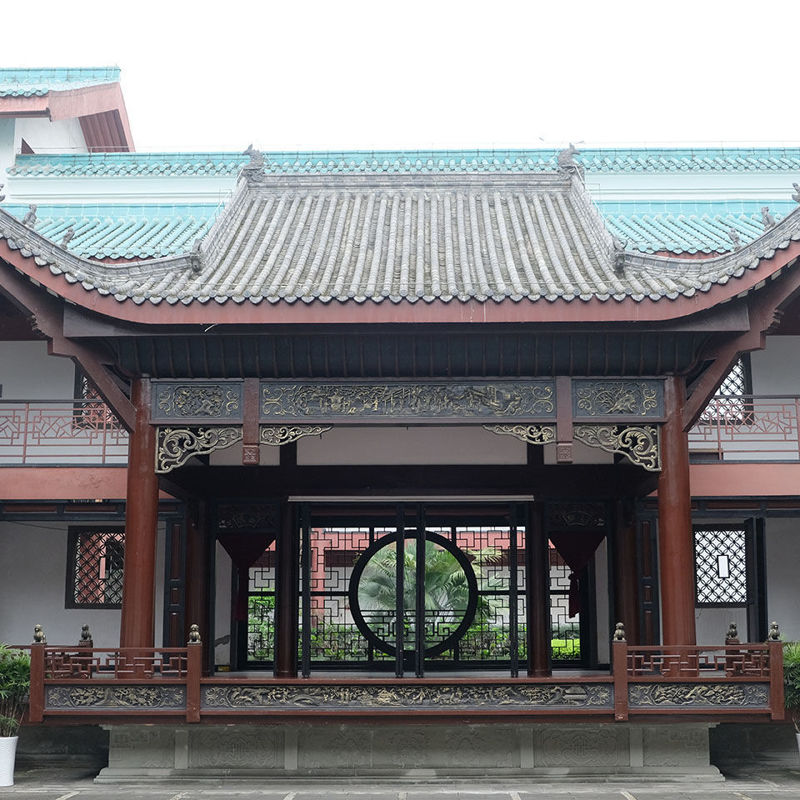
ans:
(791, 683)
(15, 681)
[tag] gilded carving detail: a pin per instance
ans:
(175, 446)
(409, 697)
(638, 443)
(532, 434)
(699, 694)
(100, 697)
(277, 435)
(198, 400)
(405, 400)
(618, 398)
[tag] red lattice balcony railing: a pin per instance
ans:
(748, 428)
(60, 432)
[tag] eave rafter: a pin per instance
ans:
(47, 313)
(764, 311)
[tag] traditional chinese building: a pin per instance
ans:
(476, 454)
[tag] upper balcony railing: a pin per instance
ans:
(86, 432)
(60, 432)
(748, 428)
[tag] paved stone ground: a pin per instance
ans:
(53, 783)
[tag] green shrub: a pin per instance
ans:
(791, 680)
(15, 684)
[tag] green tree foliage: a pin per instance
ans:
(791, 680)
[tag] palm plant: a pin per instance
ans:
(446, 589)
(15, 682)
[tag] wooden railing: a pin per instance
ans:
(748, 428)
(737, 680)
(60, 432)
(733, 678)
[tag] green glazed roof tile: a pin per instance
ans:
(39, 82)
(682, 160)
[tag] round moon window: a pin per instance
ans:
(450, 593)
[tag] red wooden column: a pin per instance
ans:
(286, 596)
(675, 522)
(197, 583)
(137, 628)
(626, 575)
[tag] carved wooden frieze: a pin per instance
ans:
(505, 697)
(175, 446)
(698, 695)
(116, 697)
(388, 401)
(617, 399)
(196, 401)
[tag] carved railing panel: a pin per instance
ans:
(745, 678)
(748, 428)
(62, 432)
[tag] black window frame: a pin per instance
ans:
(74, 534)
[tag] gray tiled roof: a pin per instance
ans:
(403, 239)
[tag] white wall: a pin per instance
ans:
(222, 616)
(33, 575)
(28, 373)
(44, 136)
(776, 369)
(783, 587)
(712, 624)
(6, 150)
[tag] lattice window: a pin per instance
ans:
(730, 403)
(96, 559)
(92, 413)
(720, 556)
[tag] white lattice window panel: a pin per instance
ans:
(720, 556)
(729, 404)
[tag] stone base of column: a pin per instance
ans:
(619, 751)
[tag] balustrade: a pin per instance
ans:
(60, 432)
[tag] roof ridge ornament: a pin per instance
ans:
(2, 196)
(68, 236)
(195, 256)
(566, 160)
(767, 218)
(619, 254)
(253, 170)
(733, 235)
(795, 196)
(29, 220)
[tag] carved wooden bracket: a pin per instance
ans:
(638, 443)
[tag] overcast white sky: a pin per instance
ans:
(350, 74)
